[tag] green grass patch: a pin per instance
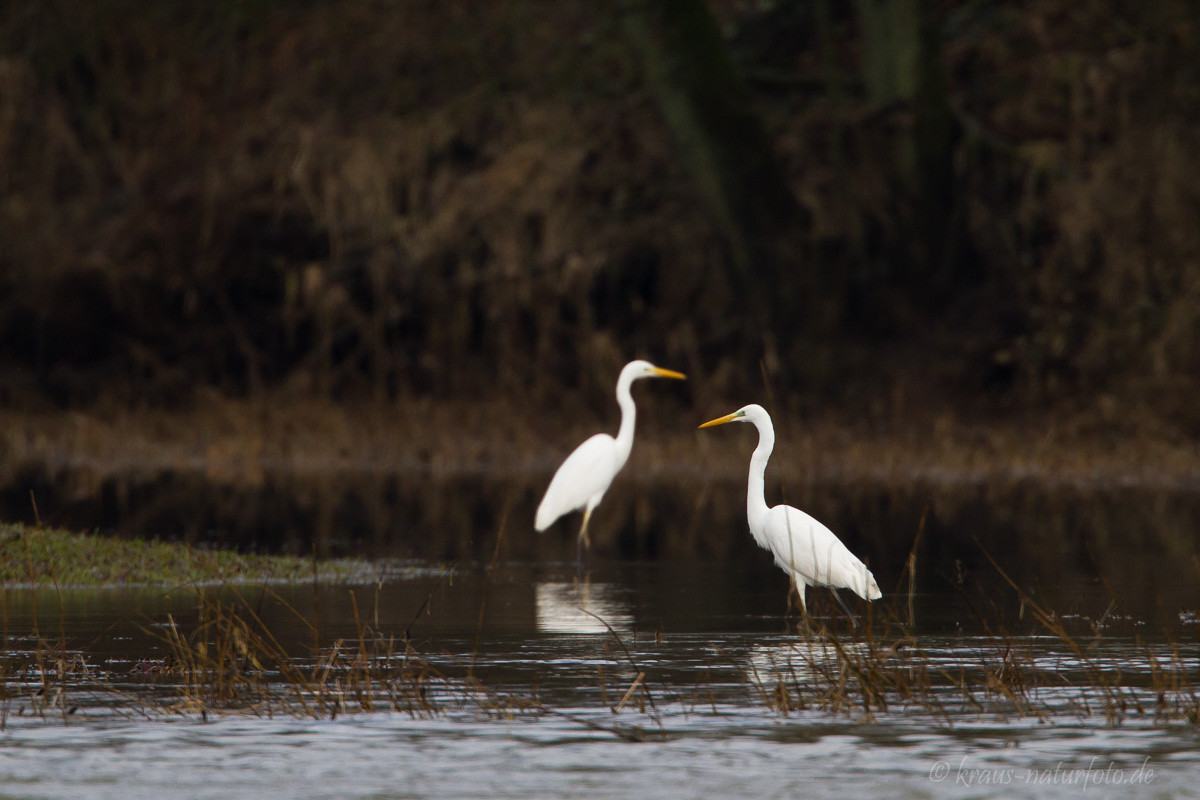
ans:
(45, 556)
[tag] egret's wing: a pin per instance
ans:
(803, 545)
(586, 474)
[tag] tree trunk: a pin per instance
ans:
(902, 64)
(723, 145)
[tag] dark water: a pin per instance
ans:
(532, 664)
(712, 640)
(1137, 538)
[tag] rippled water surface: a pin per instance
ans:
(645, 679)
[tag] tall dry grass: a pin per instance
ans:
(424, 199)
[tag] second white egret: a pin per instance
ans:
(587, 473)
(802, 546)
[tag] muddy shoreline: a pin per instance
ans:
(458, 485)
(243, 442)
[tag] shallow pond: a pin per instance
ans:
(650, 678)
(1044, 643)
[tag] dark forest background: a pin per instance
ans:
(987, 205)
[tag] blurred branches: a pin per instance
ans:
(388, 200)
(721, 140)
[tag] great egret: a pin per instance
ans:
(585, 476)
(803, 547)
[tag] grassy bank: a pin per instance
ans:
(44, 556)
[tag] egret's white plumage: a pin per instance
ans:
(587, 473)
(802, 546)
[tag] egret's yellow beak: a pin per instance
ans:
(722, 420)
(659, 372)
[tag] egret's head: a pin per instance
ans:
(644, 369)
(743, 414)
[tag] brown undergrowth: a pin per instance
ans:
(373, 200)
(1044, 665)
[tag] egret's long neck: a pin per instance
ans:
(628, 417)
(756, 497)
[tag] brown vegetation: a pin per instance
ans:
(382, 200)
(229, 660)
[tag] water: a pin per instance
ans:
(393, 756)
(528, 665)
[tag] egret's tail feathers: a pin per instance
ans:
(863, 584)
(544, 518)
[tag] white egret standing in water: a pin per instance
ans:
(585, 476)
(803, 547)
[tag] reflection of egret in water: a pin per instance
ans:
(809, 661)
(573, 607)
